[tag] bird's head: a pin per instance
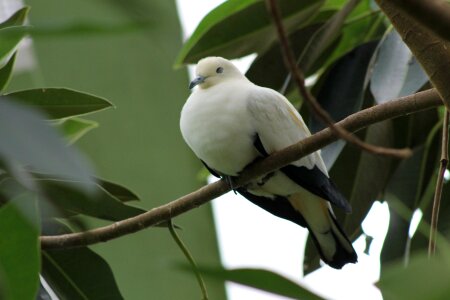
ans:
(214, 70)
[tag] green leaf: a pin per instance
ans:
(19, 249)
(424, 278)
(268, 68)
(36, 145)
(261, 279)
(6, 71)
(341, 93)
(18, 18)
(361, 29)
(333, 4)
(326, 35)
(62, 198)
(120, 192)
(100, 204)
(10, 37)
(74, 128)
(240, 27)
(77, 273)
(60, 103)
(396, 72)
(11, 32)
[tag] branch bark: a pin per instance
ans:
(432, 14)
(432, 52)
(299, 79)
(392, 109)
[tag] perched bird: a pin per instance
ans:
(229, 122)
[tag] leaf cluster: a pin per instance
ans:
(354, 60)
(46, 185)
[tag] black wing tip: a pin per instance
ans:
(319, 184)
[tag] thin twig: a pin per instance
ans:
(191, 260)
(439, 186)
(291, 65)
(389, 110)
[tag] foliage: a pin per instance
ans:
(357, 60)
(43, 178)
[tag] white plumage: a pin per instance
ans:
(230, 122)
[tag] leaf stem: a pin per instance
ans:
(439, 186)
(189, 257)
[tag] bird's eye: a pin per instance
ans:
(219, 70)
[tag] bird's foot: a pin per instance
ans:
(229, 180)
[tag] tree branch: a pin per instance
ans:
(439, 186)
(392, 109)
(299, 79)
(432, 14)
(432, 52)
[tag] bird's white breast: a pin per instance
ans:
(215, 124)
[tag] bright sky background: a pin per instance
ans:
(251, 237)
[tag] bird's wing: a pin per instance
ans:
(279, 125)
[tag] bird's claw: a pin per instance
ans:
(229, 180)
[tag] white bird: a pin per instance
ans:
(229, 122)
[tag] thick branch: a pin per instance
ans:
(432, 14)
(357, 121)
(299, 79)
(432, 52)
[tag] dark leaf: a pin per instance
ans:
(5, 72)
(100, 204)
(263, 280)
(120, 192)
(77, 273)
(341, 93)
(19, 250)
(240, 27)
(372, 176)
(409, 183)
(62, 199)
(60, 103)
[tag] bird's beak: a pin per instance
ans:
(199, 79)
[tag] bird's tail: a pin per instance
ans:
(334, 247)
